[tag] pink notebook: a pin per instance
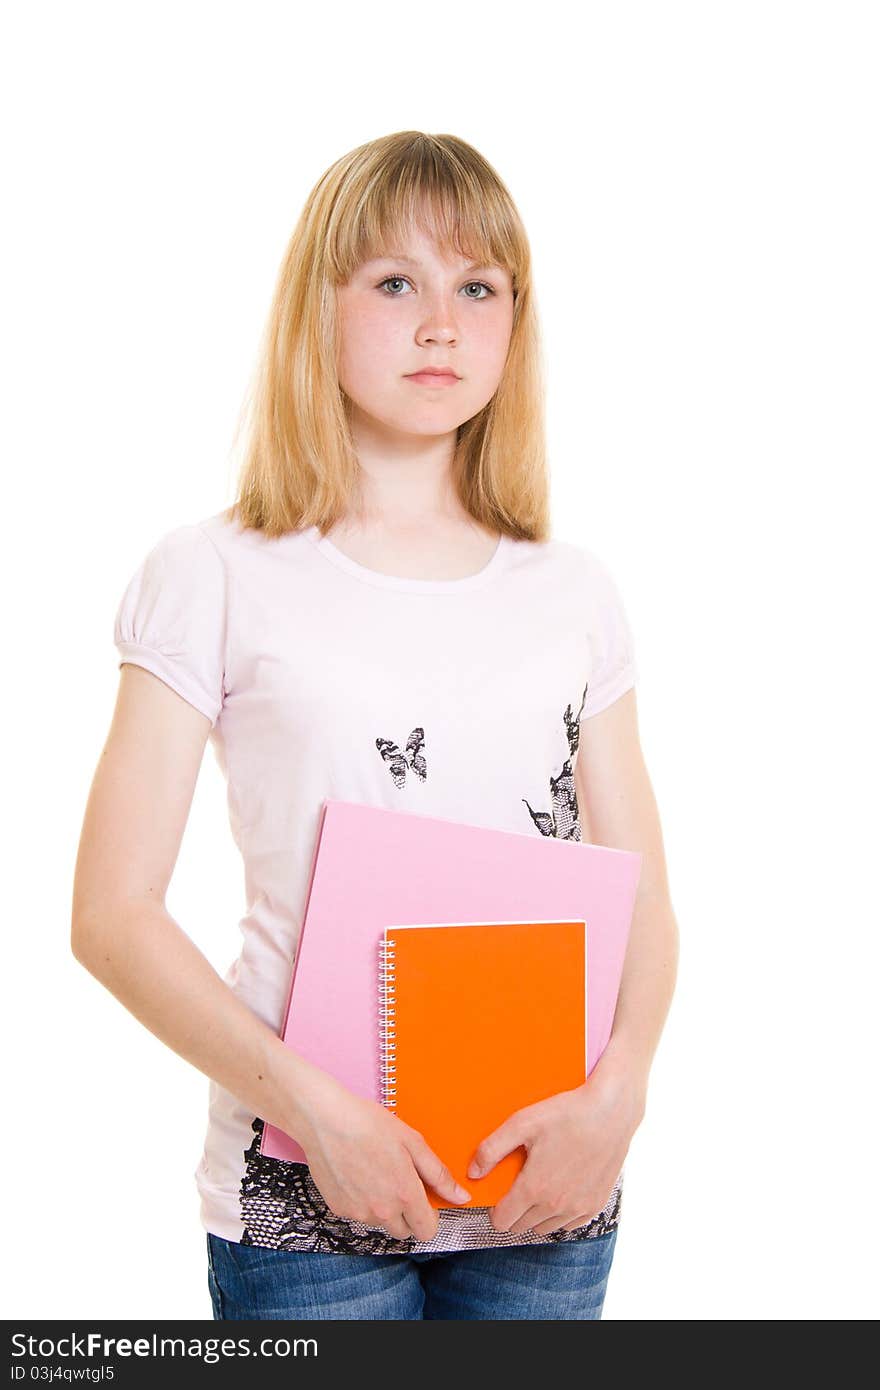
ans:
(375, 867)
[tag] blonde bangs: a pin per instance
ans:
(427, 188)
(300, 468)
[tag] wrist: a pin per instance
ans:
(623, 1070)
(295, 1086)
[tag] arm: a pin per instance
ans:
(120, 930)
(615, 793)
(366, 1162)
(576, 1141)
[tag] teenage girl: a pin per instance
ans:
(381, 616)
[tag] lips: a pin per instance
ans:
(435, 380)
(437, 372)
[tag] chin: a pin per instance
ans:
(425, 423)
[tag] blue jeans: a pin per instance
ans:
(564, 1279)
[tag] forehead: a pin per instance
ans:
(417, 263)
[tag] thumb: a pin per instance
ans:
(495, 1146)
(435, 1172)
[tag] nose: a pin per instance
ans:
(438, 323)
(437, 331)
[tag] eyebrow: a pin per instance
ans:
(408, 260)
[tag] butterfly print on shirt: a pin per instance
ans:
(398, 762)
(281, 1206)
(563, 820)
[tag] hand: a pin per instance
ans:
(576, 1142)
(368, 1164)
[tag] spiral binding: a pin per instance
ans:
(387, 1012)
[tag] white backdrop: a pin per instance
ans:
(699, 183)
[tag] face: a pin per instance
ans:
(402, 313)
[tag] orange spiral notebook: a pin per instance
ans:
(477, 1020)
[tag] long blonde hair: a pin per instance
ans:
(300, 468)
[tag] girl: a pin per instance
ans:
(381, 616)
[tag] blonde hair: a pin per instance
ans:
(300, 468)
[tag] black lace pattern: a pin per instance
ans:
(282, 1209)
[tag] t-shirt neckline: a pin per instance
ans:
(403, 584)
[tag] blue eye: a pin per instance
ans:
(389, 279)
(488, 288)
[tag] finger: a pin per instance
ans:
(514, 1133)
(421, 1217)
(509, 1212)
(435, 1172)
(552, 1223)
(527, 1220)
(397, 1227)
(580, 1221)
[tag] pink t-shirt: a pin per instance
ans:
(322, 678)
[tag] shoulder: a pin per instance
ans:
(573, 563)
(238, 545)
(171, 617)
(181, 557)
(590, 561)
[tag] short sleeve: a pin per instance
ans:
(172, 618)
(613, 668)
